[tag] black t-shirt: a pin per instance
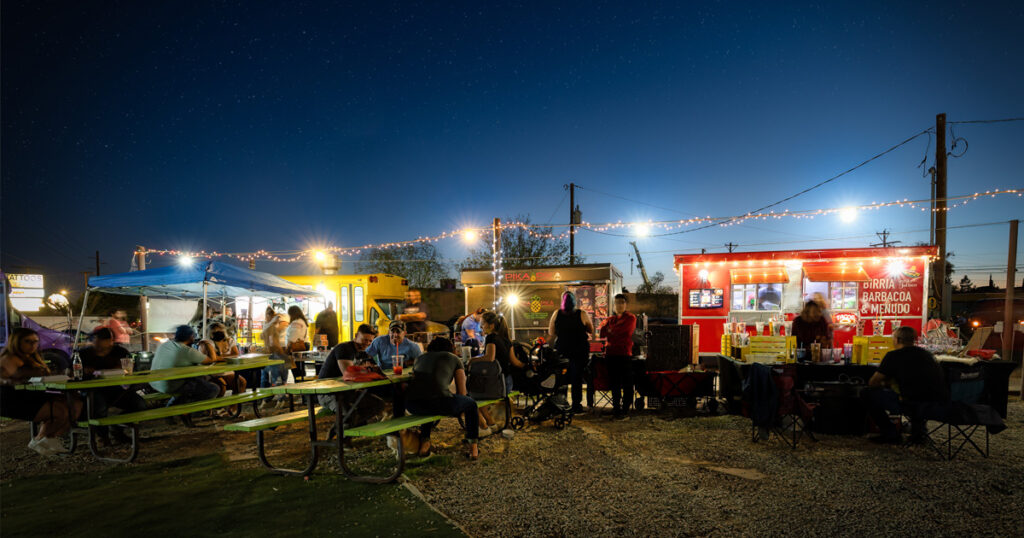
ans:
(808, 332)
(327, 323)
(344, 352)
(110, 361)
(501, 347)
(917, 373)
(416, 326)
(431, 376)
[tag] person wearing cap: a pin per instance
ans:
(104, 354)
(385, 347)
(178, 353)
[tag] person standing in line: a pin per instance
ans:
(570, 328)
(118, 325)
(618, 330)
(326, 323)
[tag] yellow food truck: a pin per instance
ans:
(375, 299)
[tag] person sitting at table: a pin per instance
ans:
(104, 354)
(297, 336)
(387, 346)
(918, 382)
(811, 327)
(429, 394)
(470, 332)
(178, 353)
(341, 357)
(217, 347)
(497, 347)
(19, 361)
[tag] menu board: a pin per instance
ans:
(707, 298)
(592, 299)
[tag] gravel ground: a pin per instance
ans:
(652, 476)
(703, 476)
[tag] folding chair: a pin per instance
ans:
(792, 417)
(963, 418)
(598, 386)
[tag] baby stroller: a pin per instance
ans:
(543, 384)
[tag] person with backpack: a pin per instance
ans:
(428, 393)
(497, 349)
(570, 328)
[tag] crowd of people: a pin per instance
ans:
(438, 385)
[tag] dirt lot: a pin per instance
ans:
(649, 475)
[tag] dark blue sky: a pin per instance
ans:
(239, 126)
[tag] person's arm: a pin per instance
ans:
(207, 348)
(551, 327)
(460, 382)
(9, 369)
(197, 357)
(488, 356)
(513, 359)
(878, 380)
(631, 326)
(587, 323)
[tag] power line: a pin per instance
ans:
(1002, 120)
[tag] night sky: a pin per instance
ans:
(248, 125)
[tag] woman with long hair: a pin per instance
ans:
(497, 347)
(570, 328)
(19, 361)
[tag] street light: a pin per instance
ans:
(185, 261)
(641, 230)
(848, 214)
(512, 300)
(469, 236)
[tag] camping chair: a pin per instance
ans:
(598, 386)
(963, 418)
(791, 416)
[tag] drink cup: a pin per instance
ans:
(815, 352)
(878, 327)
(847, 352)
(128, 365)
(398, 369)
(860, 327)
(398, 361)
(760, 327)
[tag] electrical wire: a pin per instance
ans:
(1001, 120)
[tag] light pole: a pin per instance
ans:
(513, 301)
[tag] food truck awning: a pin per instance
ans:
(835, 272)
(760, 275)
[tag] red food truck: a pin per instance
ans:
(876, 286)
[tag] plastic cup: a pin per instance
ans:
(128, 365)
(815, 352)
(760, 327)
(397, 369)
(878, 327)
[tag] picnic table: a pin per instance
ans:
(309, 391)
(314, 356)
(90, 423)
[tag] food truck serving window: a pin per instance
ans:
(839, 295)
(756, 296)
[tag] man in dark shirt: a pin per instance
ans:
(104, 354)
(415, 315)
(343, 356)
(326, 323)
(916, 375)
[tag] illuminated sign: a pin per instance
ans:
(845, 318)
(26, 292)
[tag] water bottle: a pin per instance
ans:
(76, 366)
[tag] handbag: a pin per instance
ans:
(485, 381)
(362, 373)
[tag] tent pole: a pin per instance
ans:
(204, 310)
(78, 332)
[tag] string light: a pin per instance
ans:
(533, 229)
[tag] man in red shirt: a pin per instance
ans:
(618, 330)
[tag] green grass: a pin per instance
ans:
(205, 497)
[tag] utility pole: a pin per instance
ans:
(496, 268)
(1008, 325)
(140, 262)
(884, 236)
(730, 245)
(939, 274)
(572, 224)
(97, 263)
(931, 231)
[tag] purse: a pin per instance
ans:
(485, 381)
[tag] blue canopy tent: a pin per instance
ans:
(195, 281)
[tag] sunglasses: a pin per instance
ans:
(32, 341)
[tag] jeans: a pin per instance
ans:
(620, 377)
(127, 400)
(508, 383)
(195, 389)
(274, 375)
(881, 402)
(576, 367)
(448, 406)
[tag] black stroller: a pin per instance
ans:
(543, 385)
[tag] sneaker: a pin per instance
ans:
(40, 447)
(483, 432)
(54, 445)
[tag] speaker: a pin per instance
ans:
(672, 347)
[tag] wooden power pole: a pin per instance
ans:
(572, 224)
(1011, 279)
(140, 262)
(941, 287)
